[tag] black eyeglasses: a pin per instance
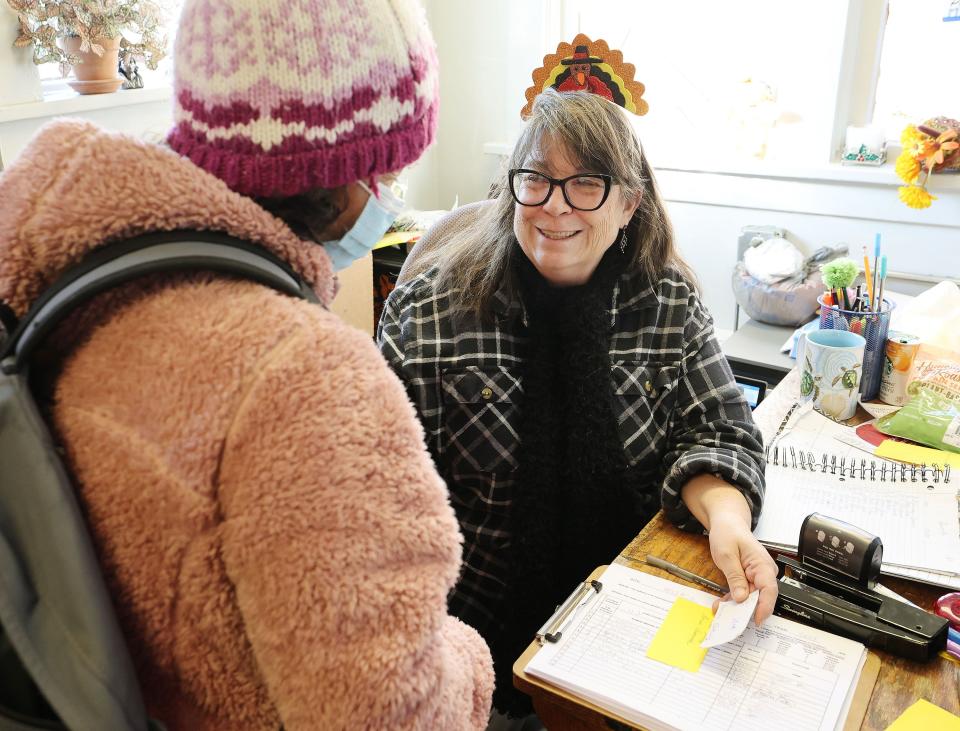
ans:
(585, 192)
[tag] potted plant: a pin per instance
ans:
(88, 35)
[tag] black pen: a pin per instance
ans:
(684, 574)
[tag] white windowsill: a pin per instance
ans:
(833, 172)
(883, 175)
(59, 99)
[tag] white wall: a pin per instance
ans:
(487, 52)
(19, 81)
(144, 113)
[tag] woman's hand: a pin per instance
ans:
(725, 513)
(744, 562)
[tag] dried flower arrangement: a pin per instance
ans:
(138, 24)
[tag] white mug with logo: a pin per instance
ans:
(831, 367)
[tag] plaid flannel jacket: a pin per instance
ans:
(678, 409)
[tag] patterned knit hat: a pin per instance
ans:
(276, 97)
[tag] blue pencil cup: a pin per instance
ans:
(873, 326)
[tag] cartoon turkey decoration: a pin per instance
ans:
(586, 65)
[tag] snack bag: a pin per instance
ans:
(932, 415)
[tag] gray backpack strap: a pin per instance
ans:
(55, 612)
(120, 262)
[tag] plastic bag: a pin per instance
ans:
(790, 301)
(782, 303)
(932, 415)
(774, 260)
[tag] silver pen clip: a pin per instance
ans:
(553, 628)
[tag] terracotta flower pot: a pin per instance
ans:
(95, 74)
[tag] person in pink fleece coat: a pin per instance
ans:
(276, 540)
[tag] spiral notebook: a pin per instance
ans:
(912, 508)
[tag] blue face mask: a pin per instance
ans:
(377, 215)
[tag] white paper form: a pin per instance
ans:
(894, 511)
(783, 675)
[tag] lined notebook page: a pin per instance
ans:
(783, 675)
(917, 521)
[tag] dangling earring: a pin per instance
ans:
(623, 240)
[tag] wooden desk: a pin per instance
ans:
(900, 683)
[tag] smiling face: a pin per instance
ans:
(564, 244)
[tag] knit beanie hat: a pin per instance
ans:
(276, 97)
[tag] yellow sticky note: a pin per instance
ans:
(677, 642)
(903, 452)
(924, 716)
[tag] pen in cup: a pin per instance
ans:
(684, 574)
(882, 279)
(875, 303)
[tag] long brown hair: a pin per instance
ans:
(595, 134)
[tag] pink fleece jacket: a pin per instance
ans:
(276, 540)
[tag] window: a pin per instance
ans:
(777, 80)
(51, 77)
(164, 73)
(738, 79)
(921, 54)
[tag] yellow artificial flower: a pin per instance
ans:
(915, 196)
(909, 135)
(907, 167)
(920, 147)
(917, 143)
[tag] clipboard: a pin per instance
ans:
(570, 712)
(583, 595)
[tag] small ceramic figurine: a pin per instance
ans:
(864, 146)
(130, 72)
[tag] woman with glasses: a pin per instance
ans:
(570, 382)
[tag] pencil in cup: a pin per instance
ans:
(873, 326)
(869, 279)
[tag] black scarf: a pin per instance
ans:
(577, 502)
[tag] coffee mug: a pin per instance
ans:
(830, 372)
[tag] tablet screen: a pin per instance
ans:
(753, 390)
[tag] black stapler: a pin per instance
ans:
(831, 586)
